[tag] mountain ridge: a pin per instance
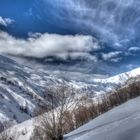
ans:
(22, 89)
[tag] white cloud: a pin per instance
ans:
(134, 49)
(116, 60)
(131, 66)
(43, 45)
(112, 56)
(5, 21)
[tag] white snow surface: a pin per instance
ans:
(120, 123)
(122, 77)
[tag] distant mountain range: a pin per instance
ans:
(22, 88)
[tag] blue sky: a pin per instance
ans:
(34, 16)
(114, 24)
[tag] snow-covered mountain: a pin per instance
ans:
(22, 88)
(120, 123)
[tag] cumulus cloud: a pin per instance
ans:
(133, 49)
(5, 21)
(112, 56)
(43, 45)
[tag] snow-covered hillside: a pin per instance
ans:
(105, 85)
(120, 123)
(22, 88)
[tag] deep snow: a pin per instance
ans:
(120, 123)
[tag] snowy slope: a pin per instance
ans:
(105, 85)
(121, 123)
(121, 77)
(21, 90)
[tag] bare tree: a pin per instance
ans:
(59, 120)
(69, 111)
